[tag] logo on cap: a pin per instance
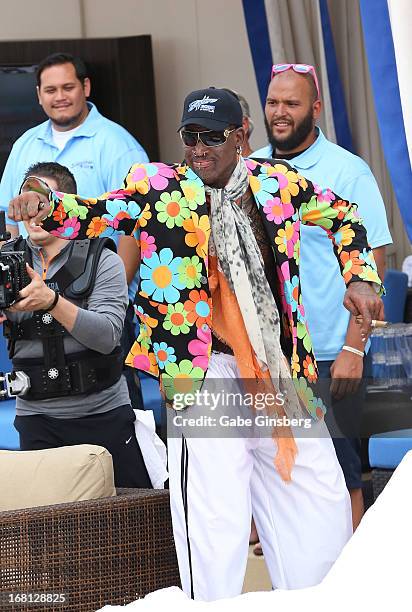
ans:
(203, 105)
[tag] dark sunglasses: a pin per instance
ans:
(209, 138)
(34, 183)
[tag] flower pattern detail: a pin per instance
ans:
(303, 334)
(144, 176)
(318, 213)
(198, 232)
(369, 270)
(159, 175)
(276, 211)
(59, 214)
(292, 293)
(323, 195)
(190, 272)
(160, 277)
(70, 229)
(96, 228)
(305, 394)
(164, 354)
(176, 320)
(72, 207)
(344, 237)
(319, 408)
(194, 192)
(182, 377)
(147, 245)
(295, 365)
(352, 264)
(199, 308)
(142, 359)
(263, 188)
(201, 347)
(302, 182)
(172, 209)
(309, 369)
(145, 216)
(118, 209)
(341, 206)
(143, 337)
(288, 180)
(166, 209)
(287, 237)
(149, 322)
(296, 252)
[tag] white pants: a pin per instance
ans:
(216, 484)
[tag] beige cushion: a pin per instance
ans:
(55, 476)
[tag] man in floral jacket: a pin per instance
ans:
(220, 301)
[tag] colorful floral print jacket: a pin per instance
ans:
(173, 300)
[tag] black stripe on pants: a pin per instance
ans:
(184, 469)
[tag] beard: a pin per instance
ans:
(68, 122)
(298, 135)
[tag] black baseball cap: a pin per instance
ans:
(213, 109)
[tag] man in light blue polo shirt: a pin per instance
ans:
(98, 152)
(292, 107)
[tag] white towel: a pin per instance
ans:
(153, 449)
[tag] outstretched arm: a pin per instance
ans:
(69, 216)
(340, 220)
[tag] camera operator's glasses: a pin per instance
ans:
(209, 138)
(34, 183)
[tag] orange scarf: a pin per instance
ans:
(229, 325)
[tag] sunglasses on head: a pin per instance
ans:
(34, 183)
(299, 68)
(209, 138)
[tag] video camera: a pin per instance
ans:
(13, 273)
(13, 277)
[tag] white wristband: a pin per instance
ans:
(350, 349)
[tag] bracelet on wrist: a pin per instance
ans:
(54, 303)
(355, 351)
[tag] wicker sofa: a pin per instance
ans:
(87, 554)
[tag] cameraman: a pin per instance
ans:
(77, 394)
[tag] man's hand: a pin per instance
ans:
(29, 205)
(346, 373)
(361, 299)
(35, 296)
